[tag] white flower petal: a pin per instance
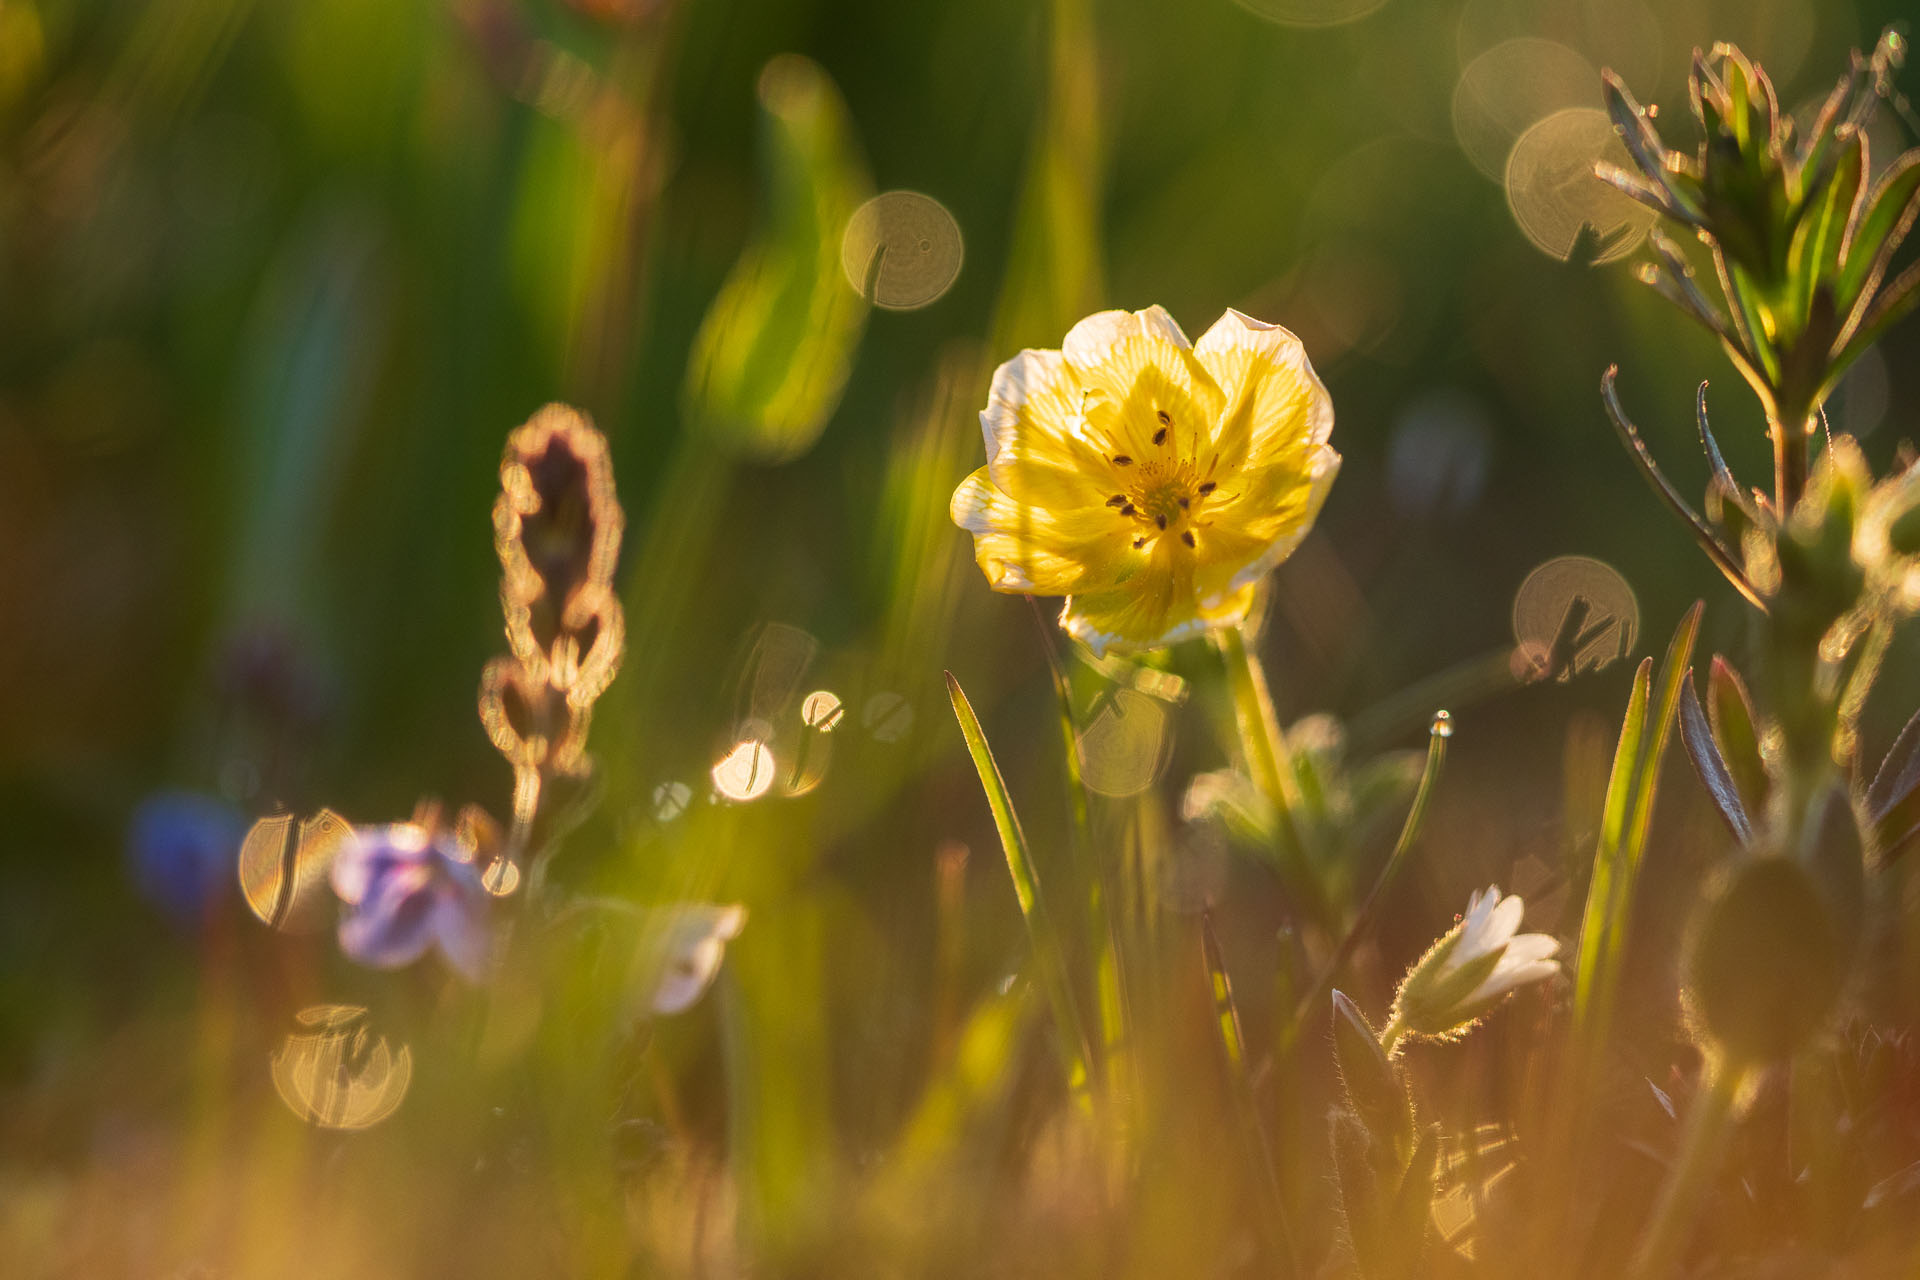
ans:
(1528, 947)
(1089, 344)
(1505, 921)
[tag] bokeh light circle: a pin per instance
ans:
(1510, 88)
(902, 250)
(1553, 193)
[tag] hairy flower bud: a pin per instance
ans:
(1765, 966)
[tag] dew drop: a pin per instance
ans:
(1442, 726)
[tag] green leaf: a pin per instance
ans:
(1361, 1205)
(1373, 1089)
(1877, 235)
(1697, 736)
(1049, 956)
(1736, 733)
(1893, 799)
(1626, 819)
(1890, 306)
(1614, 812)
(1409, 1218)
(1814, 256)
(1649, 154)
(1642, 457)
(1722, 474)
(773, 353)
(1248, 1120)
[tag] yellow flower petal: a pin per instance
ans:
(1274, 400)
(1025, 548)
(1032, 425)
(1275, 507)
(1149, 613)
(1136, 366)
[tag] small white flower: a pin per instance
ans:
(1468, 970)
(684, 948)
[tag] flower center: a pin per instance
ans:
(1163, 495)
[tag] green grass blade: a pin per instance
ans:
(1253, 1131)
(1606, 858)
(1626, 819)
(1439, 733)
(1049, 956)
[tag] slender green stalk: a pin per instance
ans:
(1707, 1129)
(1042, 932)
(1265, 749)
(1390, 1036)
(1790, 461)
(1253, 1131)
(1103, 933)
(1437, 737)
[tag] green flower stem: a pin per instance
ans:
(1790, 460)
(1095, 873)
(1687, 1181)
(1390, 1036)
(1437, 735)
(1265, 749)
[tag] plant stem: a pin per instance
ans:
(1265, 749)
(1789, 459)
(1687, 1181)
(1390, 1036)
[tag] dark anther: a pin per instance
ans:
(1139, 543)
(1123, 461)
(1117, 500)
(1165, 417)
(1207, 488)
(1160, 436)
(1127, 510)
(1186, 536)
(1184, 503)
(1161, 521)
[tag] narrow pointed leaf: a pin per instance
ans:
(1625, 824)
(1409, 1218)
(1686, 290)
(1893, 800)
(1717, 551)
(1373, 1090)
(1654, 195)
(1814, 256)
(1873, 240)
(1048, 954)
(1361, 1205)
(1890, 306)
(1613, 821)
(1736, 734)
(1644, 145)
(1730, 487)
(1899, 774)
(1251, 1125)
(1697, 736)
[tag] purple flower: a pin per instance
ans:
(181, 850)
(408, 888)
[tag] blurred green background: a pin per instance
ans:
(275, 281)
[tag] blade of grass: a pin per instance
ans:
(1049, 956)
(1253, 1131)
(1626, 820)
(1437, 737)
(1103, 932)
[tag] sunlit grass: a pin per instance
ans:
(632, 836)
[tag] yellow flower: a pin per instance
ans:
(1151, 481)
